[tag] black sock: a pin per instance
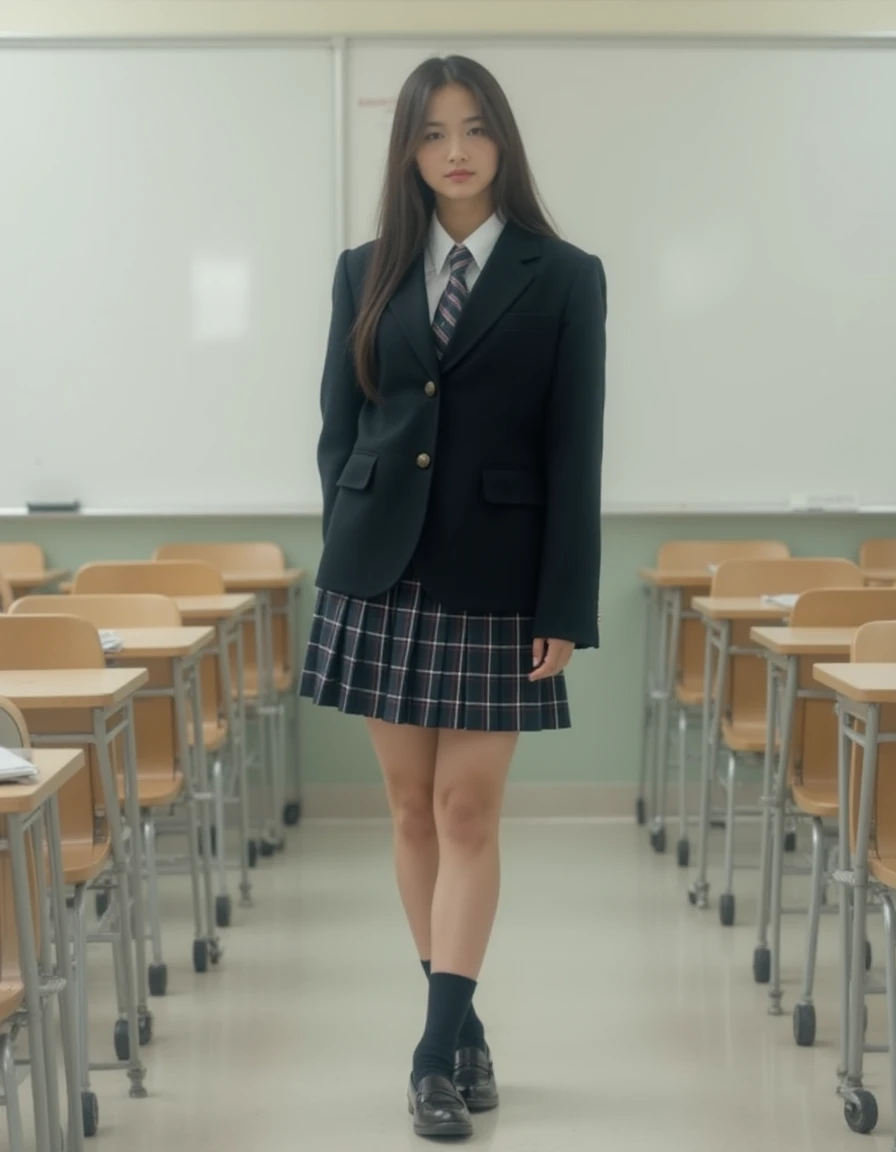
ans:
(472, 1031)
(449, 1000)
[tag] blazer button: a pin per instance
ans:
(430, 388)
(424, 460)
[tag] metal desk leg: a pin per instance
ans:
(844, 856)
(222, 902)
(31, 979)
(667, 690)
(46, 968)
(204, 797)
(652, 598)
(712, 723)
(132, 813)
(761, 955)
(200, 934)
(121, 865)
(856, 1044)
(788, 707)
(659, 677)
(67, 1012)
(238, 728)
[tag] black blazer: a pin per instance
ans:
(484, 470)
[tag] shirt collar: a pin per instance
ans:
(479, 244)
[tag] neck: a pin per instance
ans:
(461, 218)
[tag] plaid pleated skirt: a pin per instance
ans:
(403, 658)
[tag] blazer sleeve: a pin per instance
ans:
(569, 580)
(341, 397)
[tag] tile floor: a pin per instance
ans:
(619, 1017)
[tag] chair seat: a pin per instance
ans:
(745, 735)
(12, 997)
(156, 789)
(214, 734)
(282, 682)
(83, 860)
(817, 798)
(688, 697)
(883, 868)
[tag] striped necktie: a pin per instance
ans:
(453, 298)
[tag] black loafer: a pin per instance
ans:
(474, 1078)
(438, 1108)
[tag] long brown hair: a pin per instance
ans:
(407, 202)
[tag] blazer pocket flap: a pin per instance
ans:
(358, 471)
(512, 486)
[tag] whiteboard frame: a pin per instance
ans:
(340, 47)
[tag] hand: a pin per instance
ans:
(550, 657)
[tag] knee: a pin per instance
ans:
(465, 822)
(413, 819)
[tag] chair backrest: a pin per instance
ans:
(878, 553)
(701, 554)
(41, 642)
(245, 557)
(161, 577)
(746, 680)
(137, 611)
(6, 594)
(813, 759)
(22, 556)
(875, 643)
(13, 729)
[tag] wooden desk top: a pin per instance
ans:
(863, 683)
(24, 582)
(879, 575)
(262, 581)
(55, 765)
(211, 609)
(805, 641)
(71, 688)
(159, 643)
(676, 577)
(738, 608)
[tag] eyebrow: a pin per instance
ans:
(441, 123)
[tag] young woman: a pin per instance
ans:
(462, 400)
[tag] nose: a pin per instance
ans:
(457, 152)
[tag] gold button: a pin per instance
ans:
(423, 460)
(430, 388)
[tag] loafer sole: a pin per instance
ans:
(480, 1105)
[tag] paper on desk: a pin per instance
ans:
(14, 767)
(782, 599)
(110, 640)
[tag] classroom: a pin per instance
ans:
(201, 938)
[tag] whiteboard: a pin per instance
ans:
(742, 200)
(168, 246)
(170, 233)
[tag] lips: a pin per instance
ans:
(460, 174)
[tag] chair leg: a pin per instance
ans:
(79, 971)
(684, 847)
(890, 926)
(726, 900)
(152, 885)
(11, 1092)
(804, 1011)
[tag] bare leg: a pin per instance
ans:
(407, 757)
(471, 771)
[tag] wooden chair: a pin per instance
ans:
(13, 734)
(878, 553)
(744, 706)
(160, 775)
(678, 555)
(6, 594)
(58, 642)
(247, 558)
(22, 556)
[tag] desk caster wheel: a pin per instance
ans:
(102, 903)
(252, 853)
(790, 841)
(223, 910)
(144, 1026)
(861, 1112)
(658, 840)
(90, 1113)
(266, 848)
(641, 810)
(200, 956)
(762, 965)
(292, 813)
(158, 979)
(726, 909)
(122, 1041)
(804, 1025)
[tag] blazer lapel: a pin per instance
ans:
(507, 273)
(411, 310)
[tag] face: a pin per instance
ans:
(457, 158)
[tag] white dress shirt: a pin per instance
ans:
(438, 269)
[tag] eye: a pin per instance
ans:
(432, 135)
(478, 131)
